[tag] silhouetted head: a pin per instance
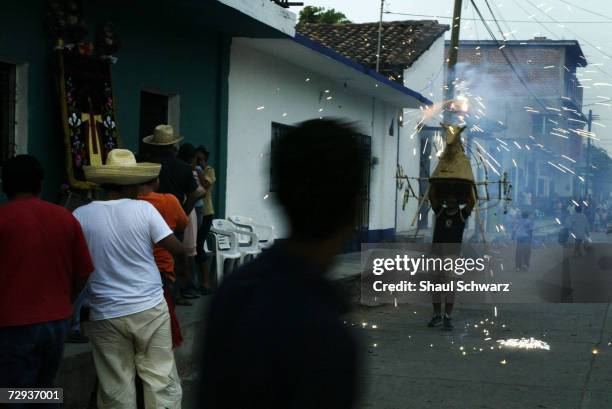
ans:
(202, 155)
(578, 209)
(22, 174)
(318, 169)
(187, 153)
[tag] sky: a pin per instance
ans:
(588, 21)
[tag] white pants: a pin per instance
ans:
(142, 343)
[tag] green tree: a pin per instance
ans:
(320, 15)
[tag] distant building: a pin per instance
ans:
(530, 92)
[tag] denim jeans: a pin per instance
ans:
(30, 355)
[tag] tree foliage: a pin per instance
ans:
(320, 15)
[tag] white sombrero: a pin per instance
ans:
(162, 135)
(121, 169)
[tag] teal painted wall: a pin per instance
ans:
(23, 40)
(161, 51)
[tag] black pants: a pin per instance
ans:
(30, 356)
(201, 238)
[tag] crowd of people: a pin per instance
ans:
(122, 263)
(129, 256)
(576, 219)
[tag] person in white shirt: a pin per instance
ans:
(129, 325)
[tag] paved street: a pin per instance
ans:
(407, 365)
(411, 366)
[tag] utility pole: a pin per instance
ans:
(380, 29)
(587, 176)
(449, 93)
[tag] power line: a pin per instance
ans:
(507, 25)
(586, 10)
(573, 33)
(501, 32)
(512, 67)
(503, 20)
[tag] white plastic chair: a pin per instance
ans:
(226, 248)
(247, 240)
(266, 234)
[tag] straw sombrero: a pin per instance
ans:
(121, 169)
(162, 135)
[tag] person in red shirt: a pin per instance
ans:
(172, 212)
(44, 264)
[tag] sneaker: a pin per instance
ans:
(435, 321)
(447, 325)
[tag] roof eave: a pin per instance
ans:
(328, 52)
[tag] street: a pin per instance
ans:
(407, 365)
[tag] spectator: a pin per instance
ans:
(129, 325)
(175, 177)
(187, 154)
(207, 178)
(274, 337)
(528, 202)
(571, 209)
(578, 226)
(45, 263)
(523, 234)
(170, 209)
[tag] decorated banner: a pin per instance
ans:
(85, 89)
(88, 113)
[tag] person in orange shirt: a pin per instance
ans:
(174, 215)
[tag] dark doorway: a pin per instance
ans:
(153, 112)
(7, 110)
(278, 131)
(362, 225)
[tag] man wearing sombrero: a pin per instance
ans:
(129, 325)
(176, 177)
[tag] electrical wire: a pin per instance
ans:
(512, 67)
(573, 33)
(586, 10)
(489, 20)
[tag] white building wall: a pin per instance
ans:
(263, 90)
(425, 76)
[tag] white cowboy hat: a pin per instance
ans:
(121, 169)
(162, 135)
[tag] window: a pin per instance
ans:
(157, 109)
(542, 124)
(8, 90)
(278, 131)
(362, 222)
